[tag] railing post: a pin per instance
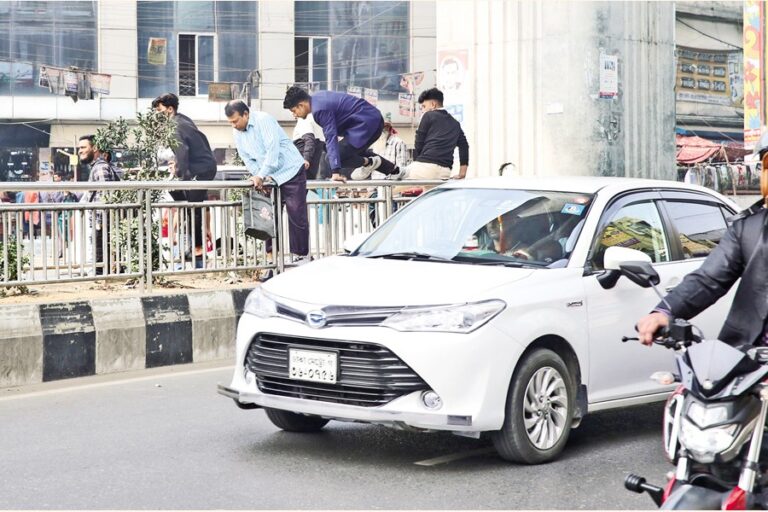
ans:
(278, 241)
(140, 196)
(148, 235)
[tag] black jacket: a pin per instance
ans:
(194, 158)
(742, 253)
(437, 136)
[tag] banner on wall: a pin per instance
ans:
(452, 69)
(609, 76)
(709, 76)
(409, 81)
(753, 37)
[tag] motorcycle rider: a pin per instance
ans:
(742, 253)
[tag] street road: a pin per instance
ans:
(167, 440)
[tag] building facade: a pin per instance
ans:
(151, 47)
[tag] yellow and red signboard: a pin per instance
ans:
(753, 54)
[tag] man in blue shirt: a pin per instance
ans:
(268, 153)
(343, 115)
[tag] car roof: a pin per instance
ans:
(578, 184)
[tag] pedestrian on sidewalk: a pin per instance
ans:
(268, 153)
(100, 171)
(194, 162)
(342, 115)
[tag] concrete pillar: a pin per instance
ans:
(120, 334)
(21, 346)
(532, 83)
(213, 331)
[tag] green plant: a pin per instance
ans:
(11, 265)
(153, 131)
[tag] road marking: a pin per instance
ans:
(453, 457)
(112, 379)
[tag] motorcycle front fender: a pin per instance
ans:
(694, 497)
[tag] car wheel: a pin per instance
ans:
(294, 422)
(538, 411)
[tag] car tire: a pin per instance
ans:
(294, 422)
(538, 411)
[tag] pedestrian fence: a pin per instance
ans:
(149, 236)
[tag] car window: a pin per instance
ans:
(635, 226)
(484, 226)
(700, 226)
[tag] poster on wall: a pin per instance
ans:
(405, 104)
(354, 90)
(753, 22)
(371, 96)
(409, 81)
(452, 68)
(100, 83)
(157, 51)
(609, 76)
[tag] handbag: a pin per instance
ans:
(258, 216)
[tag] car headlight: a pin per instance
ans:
(704, 444)
(459, 318)
(260, 304)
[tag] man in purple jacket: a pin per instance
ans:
(342, 115)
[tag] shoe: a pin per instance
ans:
(301, 260)
(266, 275)
(362, 173)
(397, 175)
(374, 162)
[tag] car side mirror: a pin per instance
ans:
(353, 242)
(640, 272)
(615, 258)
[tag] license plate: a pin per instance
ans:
(312, 365)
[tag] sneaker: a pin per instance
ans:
(397, 175)
(375, 162)
(362, 173)
(266, 275)
(301, 260)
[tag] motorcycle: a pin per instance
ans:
(714, 422)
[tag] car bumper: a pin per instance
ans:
(470, 372)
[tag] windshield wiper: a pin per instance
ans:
(490, 262)
(412, 255)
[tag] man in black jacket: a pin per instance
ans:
(194, 161)
(741, 253)
(437, 136)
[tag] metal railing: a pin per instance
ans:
(152, 236)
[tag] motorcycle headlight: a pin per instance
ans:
(705, 416)
(461, 318)
(260, 304)
(705, 443)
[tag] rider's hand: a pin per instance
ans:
(649, 324)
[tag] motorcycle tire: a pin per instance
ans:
(538, 411)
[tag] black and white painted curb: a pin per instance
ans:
(46, 342)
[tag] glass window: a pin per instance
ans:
(635, 226)
(370, 42)
(700, 226)
(485, 226)
(228, 56)
(39, 33)
(311, 61)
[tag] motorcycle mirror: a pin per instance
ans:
(640, 272)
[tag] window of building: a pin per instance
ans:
(700, 226)
(197, 67)
(206, 41)
(312, 64)
(368, 42)
(38, 33)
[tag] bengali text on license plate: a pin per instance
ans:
(312, 365)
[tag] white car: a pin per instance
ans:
(483, 307)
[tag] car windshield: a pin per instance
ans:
(484, 226)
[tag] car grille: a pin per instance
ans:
(369, 375)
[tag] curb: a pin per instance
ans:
(47, 342)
